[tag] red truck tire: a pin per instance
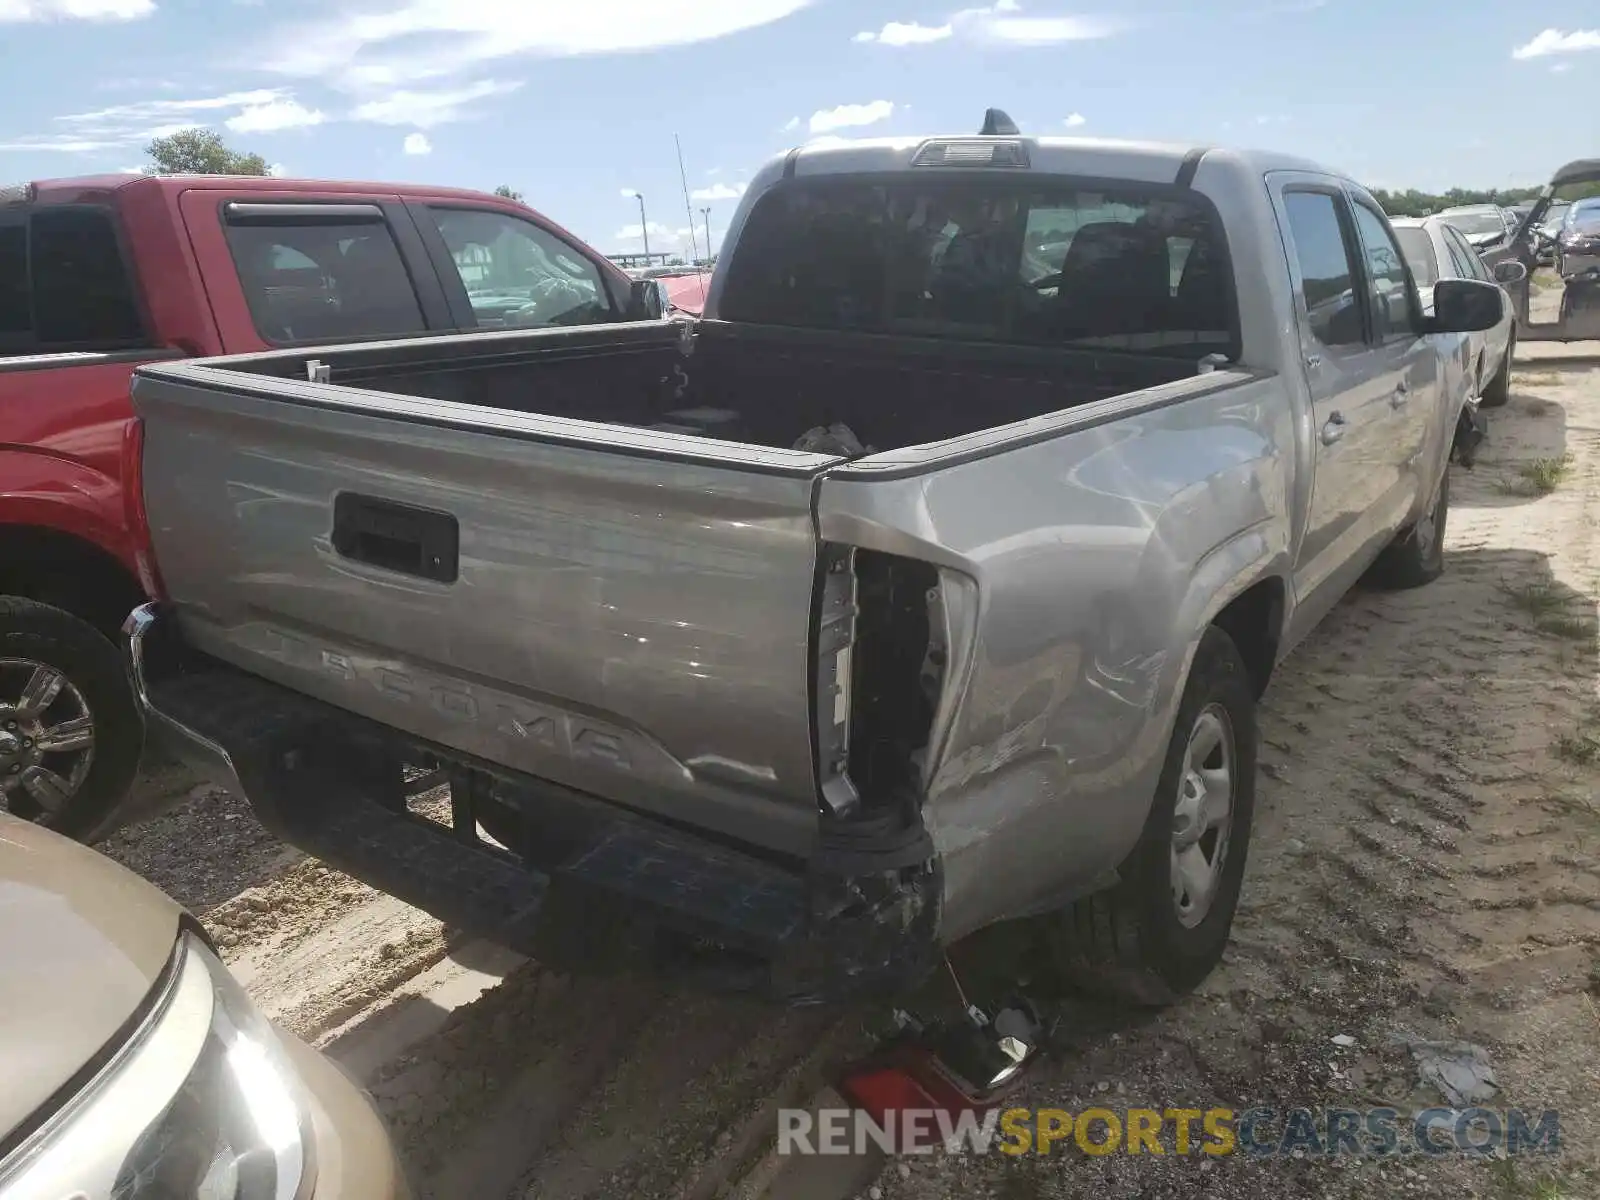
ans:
(70, 731)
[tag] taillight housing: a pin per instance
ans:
(137, 519)
(892, 637)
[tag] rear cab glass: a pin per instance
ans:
(321, 272)
(1116, 265)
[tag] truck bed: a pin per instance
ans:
(763, 386)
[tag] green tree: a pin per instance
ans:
(506, 192)
(200, 152)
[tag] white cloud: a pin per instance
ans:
(719, 191)
(277, 170)
(426, 109)
(791, 124)
(907, 33)
(417, 143)
(1560, 67)
(664, 239)
(275, 115)
(129, 125)
(75, 10)
(1074, 120)
(847, 116)
(362, 46)
(996, 23)
(1555, 41)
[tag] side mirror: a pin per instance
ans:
(1466, 306)
(1509, 271)
(647, 300)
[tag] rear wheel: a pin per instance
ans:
(70, 731)
(1163, 927)
(1498, 390)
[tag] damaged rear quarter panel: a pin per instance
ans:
(1099, 555)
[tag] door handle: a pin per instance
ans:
(1334, 429)
(396, 537)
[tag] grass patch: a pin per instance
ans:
(1538, 477)
(1541, 600)
(1511, 1182)
(1581, 747)
(1536, 378)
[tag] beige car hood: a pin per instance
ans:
(82, 941)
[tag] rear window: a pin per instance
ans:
(1126, 266)
(1417, 246)
(323, 280)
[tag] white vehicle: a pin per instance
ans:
(1436, 249)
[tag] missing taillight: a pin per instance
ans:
(134, 509)
(881, 662)
(897, 673)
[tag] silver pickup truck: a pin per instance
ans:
(930, 580)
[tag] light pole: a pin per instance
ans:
(706, 213)
(644, 227)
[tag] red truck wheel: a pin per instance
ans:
(70, 732)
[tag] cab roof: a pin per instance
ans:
(88, 188)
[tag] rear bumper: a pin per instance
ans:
(608, 885)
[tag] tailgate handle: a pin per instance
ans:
(397, 537)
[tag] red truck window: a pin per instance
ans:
(64, 284)
(519, 276)
(82, 294)
(317, 276)
(16, 309)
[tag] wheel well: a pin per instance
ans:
(1254, 620)
(69, 573)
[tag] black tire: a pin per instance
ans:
(92, 665)
(1128, 943)
(1498, 390)
(1416, 557)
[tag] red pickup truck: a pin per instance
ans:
(100, 274)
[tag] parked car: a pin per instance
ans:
(1435, 250)
(100, 274)
(137, 1066)
(901, 595)
(1578, 242)
(1480, 224)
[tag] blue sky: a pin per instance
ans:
(575, 102)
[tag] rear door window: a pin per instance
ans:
(83, 295)
(323, 272)
(1128, 266)
(518, 275)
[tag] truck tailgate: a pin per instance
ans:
(624, 612)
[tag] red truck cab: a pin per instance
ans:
(102, 273)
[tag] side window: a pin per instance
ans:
(1459, 257)
(1327, 275)
(16, 306)
(322, 280)
(517, 275)
(1388, 296)
(1470, 261)
(82, 295)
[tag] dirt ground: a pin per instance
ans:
(1425, 866)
